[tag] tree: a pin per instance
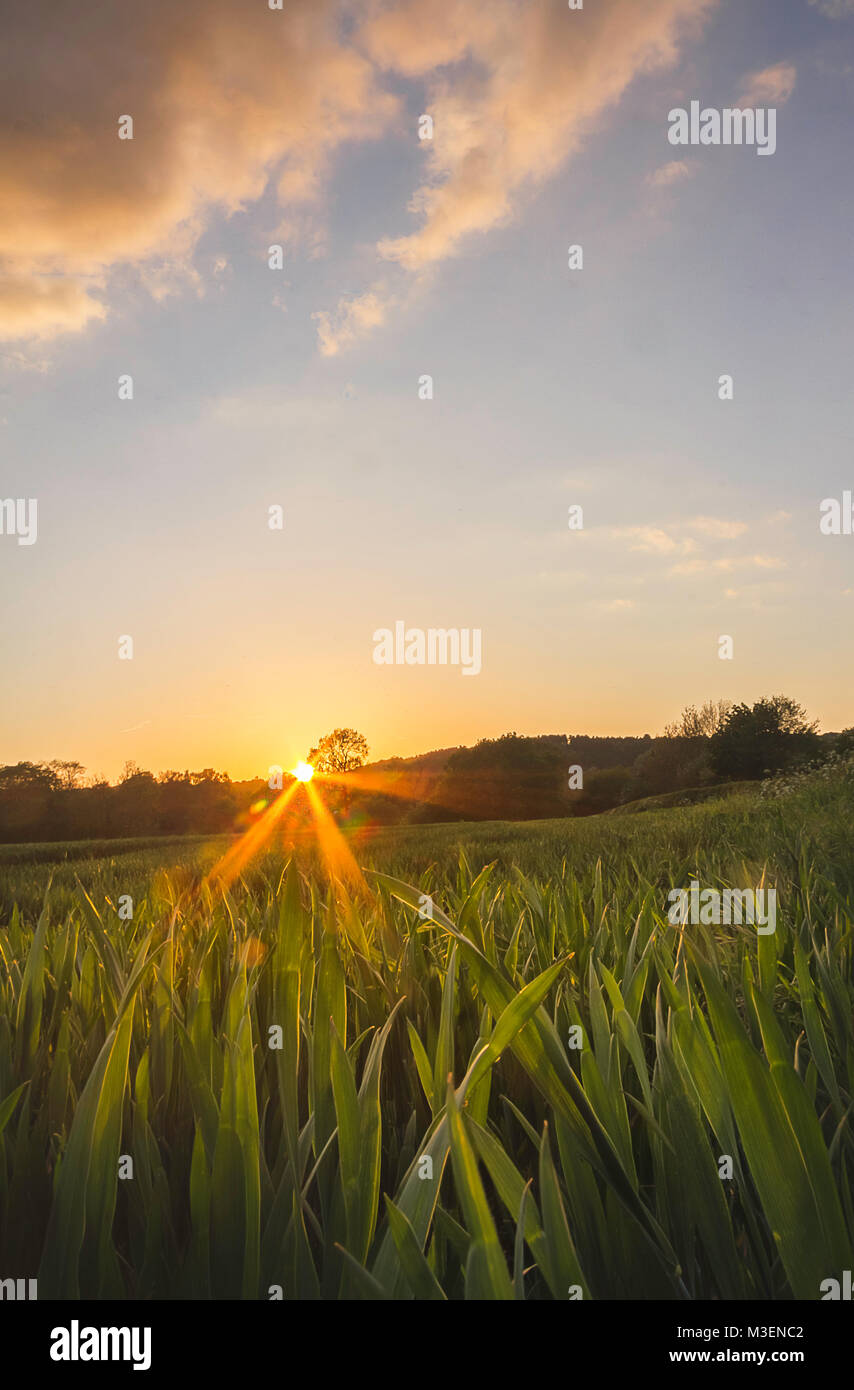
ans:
(673, 763)
(27, 793)
(341, 751)
(770, 736)
(135, 802)
(214, 806)
(603, 789)
(174, 803)
(509, 778)
(791, 717)
(70, 774)
(700, 723)
(23, 775)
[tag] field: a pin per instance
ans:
(497, 1071)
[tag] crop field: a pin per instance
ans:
(493, 1069)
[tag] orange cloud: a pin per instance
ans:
(653, 540)
(226, 98)
(232, 100)
(540, 76)
(771, 85)
(721, 529)
(351, 319)
(39, 308)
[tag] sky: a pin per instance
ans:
(301, 387)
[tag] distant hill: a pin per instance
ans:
(511, 778)
(433, 762)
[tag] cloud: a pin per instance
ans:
(27, 359)
(772, 86)
(654, 540)
(513, 91)
(534, 87)
(351, 319)
(685, 553)
(769, 562)
(687, 567)
(834, 9)
(232, 102)
(227, 100)
(761, 562)
(37, 308)
(719, 529)
(727, 563)
(674, 172)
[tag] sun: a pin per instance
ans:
(303, 772)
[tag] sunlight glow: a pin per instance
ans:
(333, 847)
(330, 841)
(235, 859)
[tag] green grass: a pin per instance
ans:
(65, 851)
(404, 1039)
(689, 796)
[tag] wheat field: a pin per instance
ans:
(496, 1071)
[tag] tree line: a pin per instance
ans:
(512, 777)
(50, 801)
(519, 778)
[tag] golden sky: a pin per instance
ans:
(298, 383)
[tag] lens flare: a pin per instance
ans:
(303, 772)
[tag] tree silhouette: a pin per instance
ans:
(772, 735)
(700, 723)
(341, 751)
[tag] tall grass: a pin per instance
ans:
(281, 1062)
